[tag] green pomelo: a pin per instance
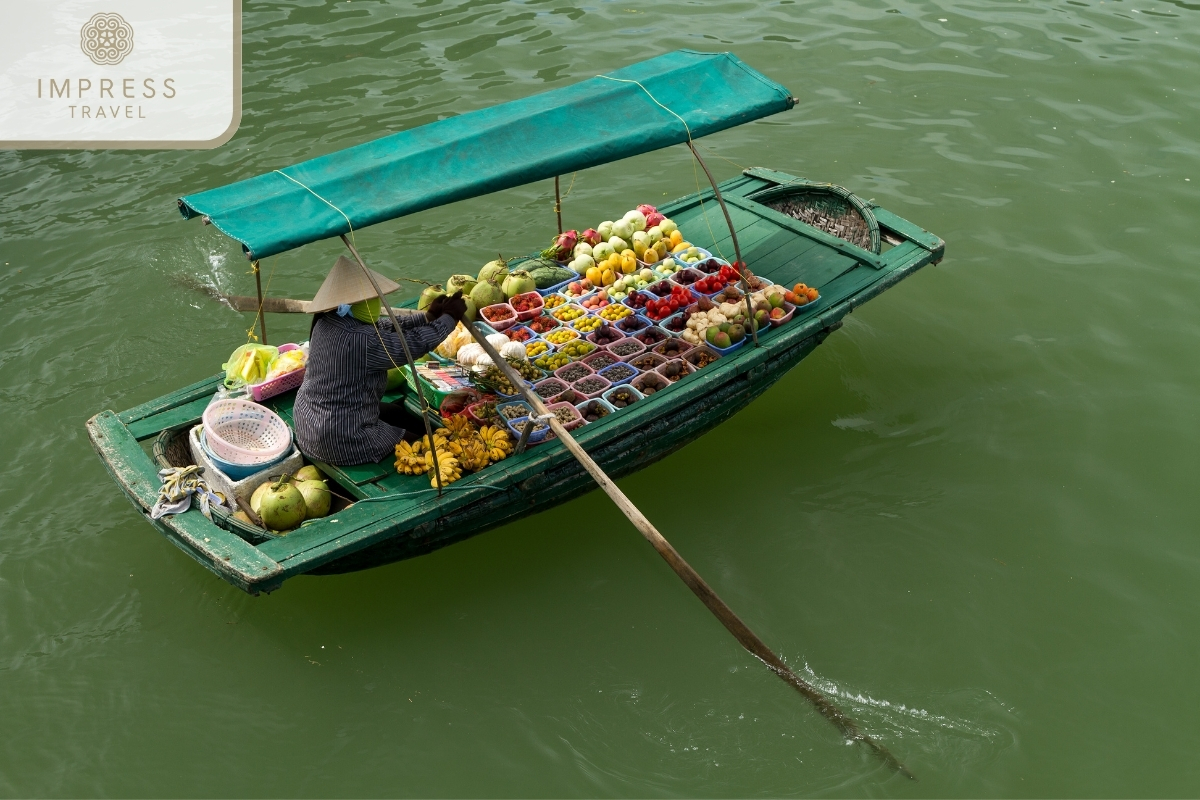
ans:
(309, 473)
(316, 497)
(282, 506)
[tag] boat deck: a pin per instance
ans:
(413, 520)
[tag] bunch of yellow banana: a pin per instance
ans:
(473, 454)
(497, 442)
(411, 458)
(458, 427)
(448, 465)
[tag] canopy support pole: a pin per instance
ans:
(262, 317)
(737, 251)
(746, 637)
(557, 204)
(437, 471)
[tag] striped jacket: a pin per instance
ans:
(337, 407)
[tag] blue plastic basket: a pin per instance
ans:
(516, 426)
(237, 472)
(638, 395)
(606, 373)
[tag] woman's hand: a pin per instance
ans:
(454, 305)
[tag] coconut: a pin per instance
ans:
(428, 296)
(487, 293)
(309, 473)
(469, 314)
(494, 271)
(316, 497)
(282, 506)
(460, 283)
(518, 282)
(256, 497)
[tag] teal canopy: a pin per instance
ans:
(594, 122)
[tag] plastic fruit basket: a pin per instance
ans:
(626, 349)
(245, 433)
(701, 353)
(600, 359)
(534, 311)
(575, 419)
(597, 407)
(573, 372)
(591, 386)
(809, 306)
(521, 333)
(647, 361)
(553, 300)
(619, 373)
(675, 324)
(501, 316)
(606, 334)
(613, 396)
(652, 336)
(278, 385)
(550, 389)
(513, 410)
(686, 277)
(538, 435)
(675, 370)
(632, 324)
(672, 348)
(649, 383)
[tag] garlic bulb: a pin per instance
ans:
(513, 350)
(497, 340)
(469, 354)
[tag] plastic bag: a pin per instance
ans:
(249, 364)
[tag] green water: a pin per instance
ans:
(970, 515)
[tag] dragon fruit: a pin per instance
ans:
(653, 218)
(592, 237)
(563, 246)
(647, 209)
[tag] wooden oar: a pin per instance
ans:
(746, 637)
(715, 604)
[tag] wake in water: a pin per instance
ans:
(978, 728)
(215, 281)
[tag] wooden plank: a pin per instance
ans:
(186, 414)
(178, 397)
(816, 266)
(221, 551)
(753, 241)
(911, 232)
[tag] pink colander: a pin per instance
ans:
(245, 433)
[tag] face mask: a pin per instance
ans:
(367, 311)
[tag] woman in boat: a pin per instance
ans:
(338, 416)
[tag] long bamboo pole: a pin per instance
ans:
(437, 472)
(262, 317)
(557, 204)
(737, 250)
(746, 637)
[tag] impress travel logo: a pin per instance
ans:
(134, 74)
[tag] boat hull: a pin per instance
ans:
(633, 451)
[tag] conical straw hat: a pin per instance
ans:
(346, 283)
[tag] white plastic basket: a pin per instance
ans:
(242, 432)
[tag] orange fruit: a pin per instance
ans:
(812, 294)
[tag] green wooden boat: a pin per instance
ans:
(789, 230)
